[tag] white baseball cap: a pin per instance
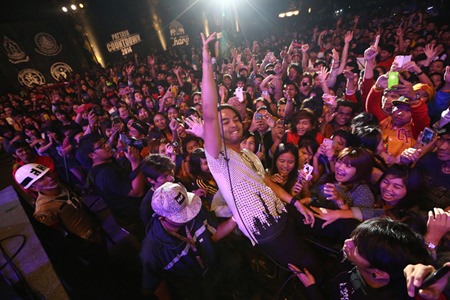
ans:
(171, 200)
(445, 118)
(28, 174)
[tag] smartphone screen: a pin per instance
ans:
(328, 143)
(392, 79)
(402, 60)
(427, 136)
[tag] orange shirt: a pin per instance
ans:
(396, 139)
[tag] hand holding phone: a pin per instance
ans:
(392, 79)
(427, 287)
(435, 276)
(331, 192)
(239, 93)
(401, 60)
(307, 172)
(329, 100)
(328, 143)
(427, 136)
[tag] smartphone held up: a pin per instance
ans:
(392, 79)
(427, 136)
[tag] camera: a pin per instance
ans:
(133, 142)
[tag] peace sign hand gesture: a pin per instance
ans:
(206, 54)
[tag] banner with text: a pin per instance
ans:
(123, 41)
(177, 34)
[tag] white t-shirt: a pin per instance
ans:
(259, 213)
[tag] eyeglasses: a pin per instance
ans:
(100, 144)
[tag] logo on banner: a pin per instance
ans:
(177, 34)
(60, 70)
(122, 41)
(14, 52)
(30, 77)
(46, 44)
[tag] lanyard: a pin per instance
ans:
(189, 240)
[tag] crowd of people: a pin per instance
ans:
(337, 134)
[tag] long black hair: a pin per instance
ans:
(195, 161)
(293, 174)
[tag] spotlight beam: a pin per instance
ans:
(183, 12)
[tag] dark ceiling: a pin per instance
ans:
(22, 10)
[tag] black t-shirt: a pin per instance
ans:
(162, 252)
(113, 183)
(437, 183)
(350, 286)
(145, 209)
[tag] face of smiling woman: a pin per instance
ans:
(392, 189)
(285, 163)
(344, 172)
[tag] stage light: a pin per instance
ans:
(64, 9)
(338, 12)
(73, 7)
(290, 13)
(81, 5)
(309, 10)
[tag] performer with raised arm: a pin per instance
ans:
(257, 204)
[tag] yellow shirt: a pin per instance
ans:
(396, 139)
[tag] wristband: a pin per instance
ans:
(432, 249)
(431, 245)
(292, 201)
